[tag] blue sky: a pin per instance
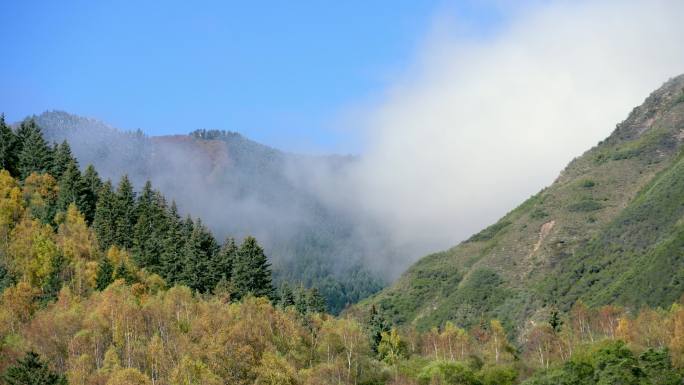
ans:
(280, 72)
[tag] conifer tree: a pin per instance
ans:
(171, 261)
(62, 159)
(124, 213)
(31, 370)
(8, 141)
(53, 282)
(105, 274)
(72, 189)
(35, 155)
(144, 227)
(315, 302)
(198, 255)
(286, 295)
(377, 325)
(223, 262)
(251, 271)
(122, 272)
(92, 183)
(301, 301)
(104, 222)
(92, 179)
(150, 229)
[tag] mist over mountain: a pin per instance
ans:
(608, 231)
(239, 187)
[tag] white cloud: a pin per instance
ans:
(481, 124)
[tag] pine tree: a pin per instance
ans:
(150, 229)
(171, 259)
(223, 262)
(198, 255)
(35, 155)
(124, 211)
(8, 142)
(72, 189)
(105, 274)
(377, 325)
(92, 183)
(315, 302)
(104, 221)
(287, 297)
(122, 272)
(251, 271)
(144, 227)
(31, 370)
(62, 159)
(54, 281)
(301, 300)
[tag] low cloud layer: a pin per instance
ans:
(481, 124)
(475, 126)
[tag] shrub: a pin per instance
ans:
(585, 206)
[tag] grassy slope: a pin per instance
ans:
(608, 230)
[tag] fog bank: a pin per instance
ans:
(477, 125)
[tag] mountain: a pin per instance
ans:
(238, 187)
(609, 230)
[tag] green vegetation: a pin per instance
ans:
(490, 232)
(225, 171)
(31, 370)
(585, 206)
(679, 99)
(111, 286)
(607, 231)
(588, 183)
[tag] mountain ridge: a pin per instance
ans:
(540, 256)
(239, 187)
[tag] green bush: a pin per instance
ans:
(443, 372)
(498, 375)
(588, 183)
(490, 232)
(585, 206)
(538, 213)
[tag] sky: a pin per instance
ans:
(281, 73)
(459, 110)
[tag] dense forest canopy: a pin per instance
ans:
(240, 188)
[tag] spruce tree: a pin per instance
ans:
(251, 271)
(150, 229)
(8, 142)
(301, 300)
(35, 155)
(104, 222)
(198, 255)
(171, 260)
(315, 302)
(122, 272)
(53, 282)
(286, 295)
(62, 159)
(92, 184)
(144, 227)
(125, 218)
(377, 325)
(105, 274)
(31, 370)
(223, 262)
(72, 189)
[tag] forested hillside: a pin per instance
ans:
(103, 284)
(239, 188)
(607, 231)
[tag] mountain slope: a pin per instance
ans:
(608, 230)
(239, 188)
